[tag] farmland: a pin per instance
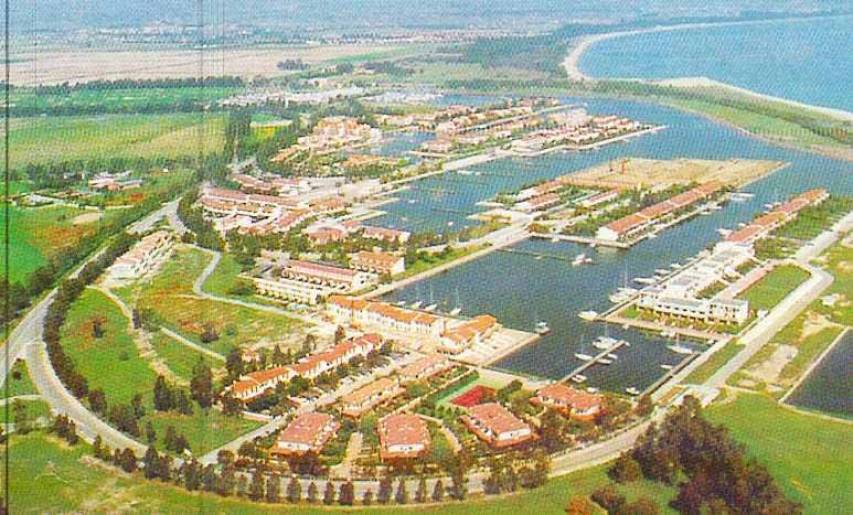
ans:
(53, 139)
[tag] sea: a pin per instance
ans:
(807, 60)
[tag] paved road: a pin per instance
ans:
(167, 210)
(62, 402)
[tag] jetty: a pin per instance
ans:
(595, 360)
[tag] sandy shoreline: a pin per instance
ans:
(572, 65)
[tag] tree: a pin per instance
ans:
(346, 494)
(625, 469)
(191, 472)
(608, 498)
(312, 493)
(136, 405)
(151, 462)
(128, 460)
(294, 490)
(367, 498)
(421, 492)
(231, 407)
(257, 488)
(208, 479)
(97, 401)
(164, 397)
(438, 491)
(201, 384)
(150, 433)
(209, 334)
(385, 489)
(234, 364)
(97, 447)
(329, 493)
(274, 489)
(579, 505)
(402, 495)
(340, 334)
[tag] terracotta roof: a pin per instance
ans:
(380, 259)
(626, 223)
(424, 364)
(306, 428)
(569, 396)
(319, 270)
(402, 429)
(496, 417)
(478, 325)
(365, 392)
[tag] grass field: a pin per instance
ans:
(774, 287)
(37, 234)
(21, 385)
(169, 296)
(179, 358)
(51, 139)
(717, 360)
(35, 409)
(808, 456)
(111, 362)
(69, 480)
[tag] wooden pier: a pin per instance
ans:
(594, 361)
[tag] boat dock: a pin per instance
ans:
(584, 240)
(670, 374)
(595, 359)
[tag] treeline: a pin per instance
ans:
(67, 88)
(201, 230)
(66, 294)
(713, 472)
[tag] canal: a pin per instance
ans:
(829, 386)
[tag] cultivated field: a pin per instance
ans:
(76, 65)
(52, 139)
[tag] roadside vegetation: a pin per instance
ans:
(774, 287)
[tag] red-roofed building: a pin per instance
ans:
(306, 433)
(469, 333)
(402, 436)
(497, 426)
(255, 384)
(570, 401)
(355, 404)
(424, 368)
(379, 263)
(385, 234)
(383, 316)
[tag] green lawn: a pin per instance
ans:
(178, 357)
(49, 476)
(111, 362)
(774, 286)
(809, 457)
(170, 297)
(37, 234)
(51, 139)
(19, 381)
(205, 431)
(35, 409)
(717, 360)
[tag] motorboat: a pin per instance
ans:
(455, 311)
(666, 366)
(583, 357)
(612, 356)
(724, 232)
(542, 328)
(589, 315)
(645, 280)
(662, 271)
(605, 342)
(592, 389)
(581, 259)
(431, 307)
(579, 378)
(632, 391)
(741, 196)
(680, 349)
(605, 361)
(416, 304)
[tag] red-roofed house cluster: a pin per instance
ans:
(497, 426)
(307, 433)
(628, 226)
(764, 224)
(255, 384)
(571, 402)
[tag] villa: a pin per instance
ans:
(497, 426)
(402, 436)
(355, 404)
(379, 263)
(569, 401)
(306, 433)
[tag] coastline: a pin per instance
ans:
(571, 64)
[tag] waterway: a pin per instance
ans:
(521, 289)
(805, 60)
(829, 386)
